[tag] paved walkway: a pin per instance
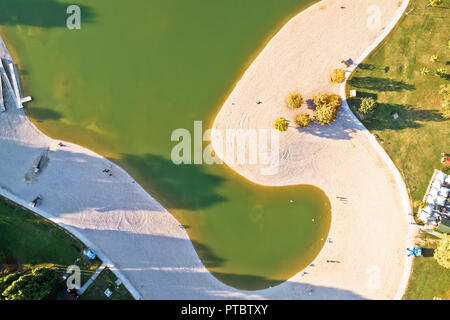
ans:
(91, 280)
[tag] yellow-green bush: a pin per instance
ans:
(303, 120)
(294, 100)
(281, 124)
(442, 252)
(332, 99)
(367, 105)
(325, 114)
(338, 76)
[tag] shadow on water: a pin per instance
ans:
(186, 187)
(43, 13)
(159, 261)
(42, 114)
(380, 84)
(238, 281)
(246, 281)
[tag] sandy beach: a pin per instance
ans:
(145, 246)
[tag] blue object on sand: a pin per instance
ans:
(414, 252)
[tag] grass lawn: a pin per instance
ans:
(415, 141)
(106, 279)
(428, 279)
(28, 240)
(391, 74)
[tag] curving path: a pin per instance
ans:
(144, 245)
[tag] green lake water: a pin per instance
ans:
(139, 69)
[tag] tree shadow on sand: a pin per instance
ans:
(380, 84)
(170, 264)
(176, 186)
(43, 13)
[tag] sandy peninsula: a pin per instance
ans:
(145, 246)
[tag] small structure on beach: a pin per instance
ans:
(436, 211)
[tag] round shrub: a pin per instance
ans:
(335, 100)
(303, 120)
(441, 72)
(322, 99)
(367, 105)
(442, 253)
(325, 114)
(446, 170)
(281, 124)
(446, 112)
(294, 100)
(338, 76)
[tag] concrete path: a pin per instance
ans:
(91, 280)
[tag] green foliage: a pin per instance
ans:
(325, 114)
(303, 120)
(322, 99)
(444, 92)
(441, 72)
(281, 124)
(446, 112)
(442, 252)
(424, 71)
(37, 285)
(446, 169)
(7, 280)
(294, 100)
(338, 76)
(434, 58)
(327, 106)
(367, 105)
(435, 3)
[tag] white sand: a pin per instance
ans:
(144, 244)
(370, 232)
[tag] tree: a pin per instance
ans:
(7, 280)
(446, 112)
(442, 253)
(434, 3)
(37, 285)
(332, 99)
(444, 92)
(446, 170)
(338, 76)
(325, 114)
(320, 99)
(294, 100)
(281, 124)
(303, 120)
(441, 72)
(434, 58)
(367, 105)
